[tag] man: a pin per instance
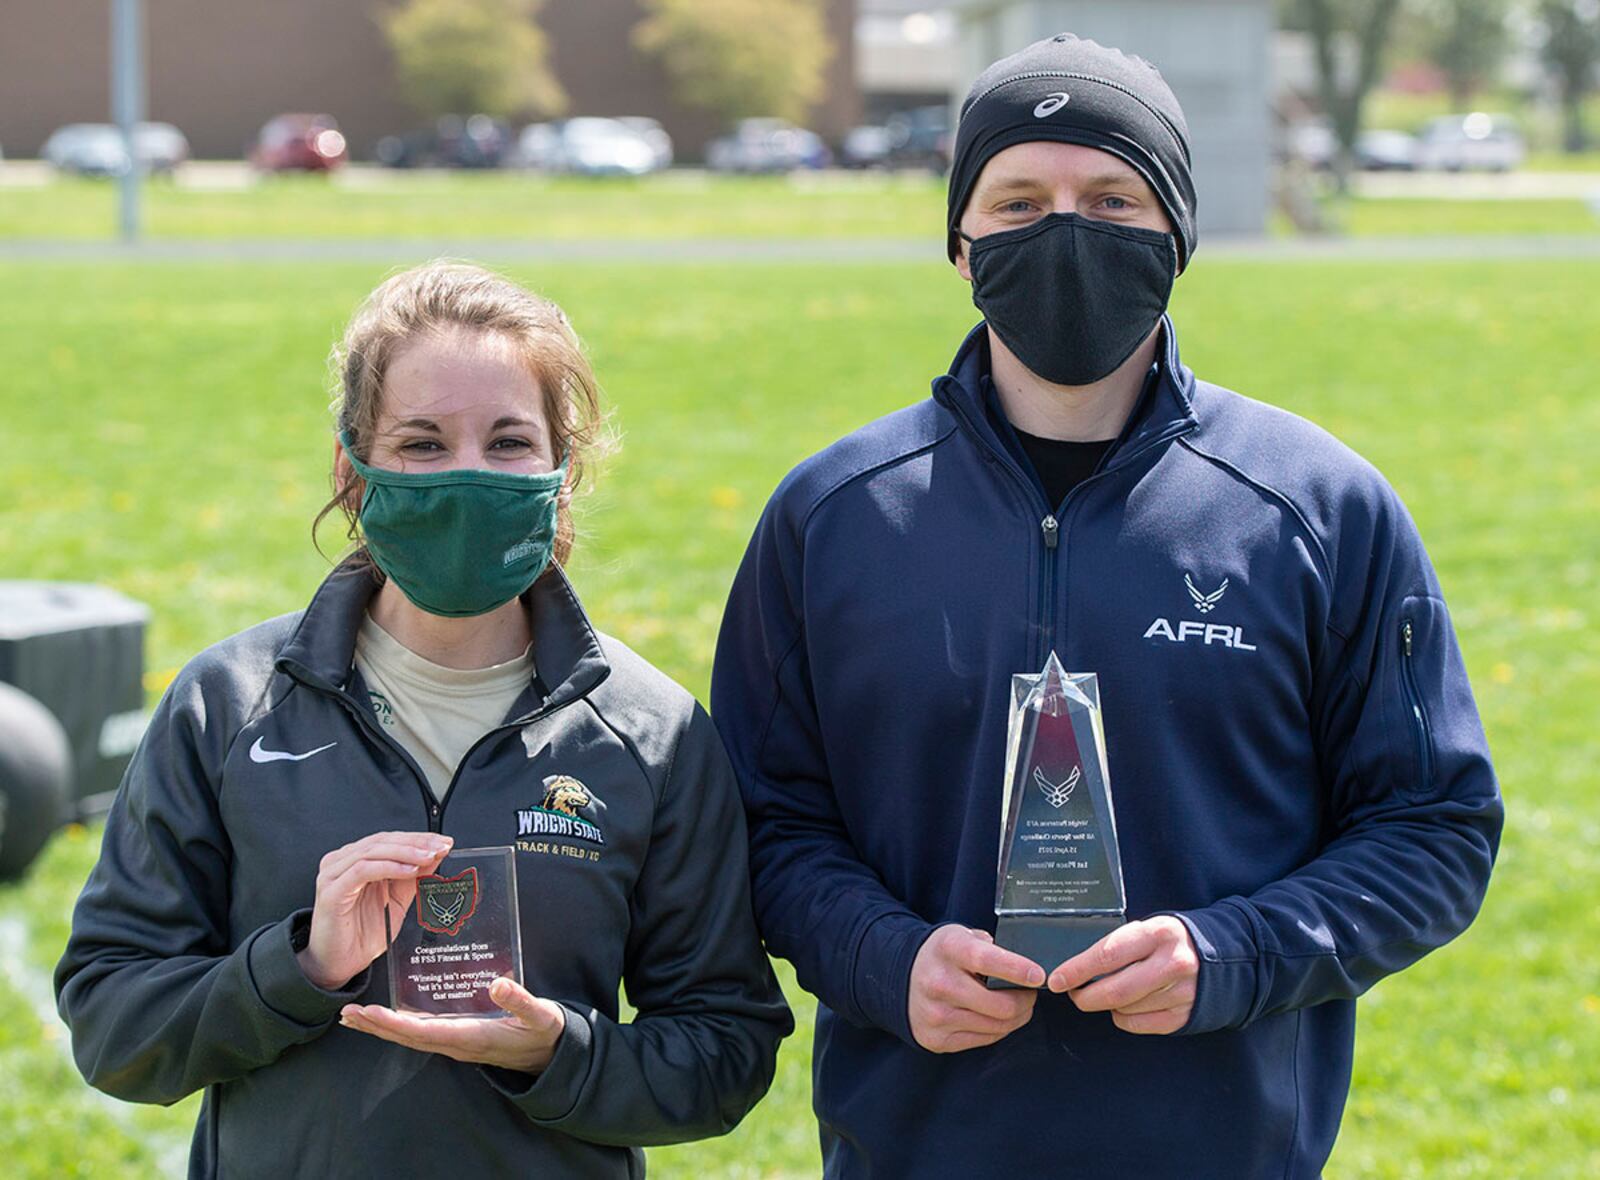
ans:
(1303, 792)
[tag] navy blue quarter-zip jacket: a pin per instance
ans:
(1297, 763)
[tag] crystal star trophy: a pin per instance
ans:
(1059, 888)
(459, 934)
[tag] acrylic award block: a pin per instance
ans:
(1059, 887)
(460, 933)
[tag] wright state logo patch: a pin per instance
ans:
(445, 903)
(568, 810)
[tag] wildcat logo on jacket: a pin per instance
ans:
(1192, 630)
(567, 810)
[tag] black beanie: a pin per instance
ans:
(1076, 91)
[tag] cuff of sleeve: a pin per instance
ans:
(283, 987)
(552, 1095)
(1226, 986)
(881, 979)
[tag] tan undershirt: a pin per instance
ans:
(435, 713)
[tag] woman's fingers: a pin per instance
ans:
(345, 890)
(410, 847)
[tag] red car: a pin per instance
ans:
(311, 143)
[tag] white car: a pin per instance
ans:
(1386, 151)
(588, 146)
(1471, 143)
(97, 149)
(654, 134)
(89, 149)
(767, 146)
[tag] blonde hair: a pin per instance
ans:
(441, 296)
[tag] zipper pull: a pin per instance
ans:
(1405, 633)
(1050, 529)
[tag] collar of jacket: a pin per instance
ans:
(1162, 413)
(567, 653)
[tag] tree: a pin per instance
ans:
(1572, 51)
(1467, 40)
(739, 57)
(461, 56)
(1368, 22)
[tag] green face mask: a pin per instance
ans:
(462, 542)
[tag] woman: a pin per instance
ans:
(443, 688)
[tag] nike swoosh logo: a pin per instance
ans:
(257, 754)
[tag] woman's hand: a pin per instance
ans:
(524, 1041)
(355, 885)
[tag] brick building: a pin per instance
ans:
(218, 69)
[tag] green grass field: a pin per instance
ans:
(166, 433)
(484, 206)
(673, 207)
(1414, 217)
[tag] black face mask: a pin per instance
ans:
(1071, 296)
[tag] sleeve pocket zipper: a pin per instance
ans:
(1419, 715)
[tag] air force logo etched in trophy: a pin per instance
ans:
(1059, 887)
(460, 933)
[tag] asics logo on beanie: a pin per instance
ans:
(1051, 105)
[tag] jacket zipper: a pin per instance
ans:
(1051, 528)
(1419, 715)
(520, 722)
(433, 808)
(1050, 524)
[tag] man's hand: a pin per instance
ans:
(526, 1041)
(1149, 971)
(951, 1008)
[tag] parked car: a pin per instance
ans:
(97, 149)
(310, 143)
(767, 145)
(1314, 144)
(1386, 151)
(604, 147)
(1311, 142)
(536, 147)
(866, 147)
(921, 138)
(477, 141)
(588, 146)
(654, 134)
(1475, 142)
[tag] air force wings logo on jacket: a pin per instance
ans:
(1228, 635)
(1205, 603)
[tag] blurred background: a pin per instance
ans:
(1309, 116)
(740, 203)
